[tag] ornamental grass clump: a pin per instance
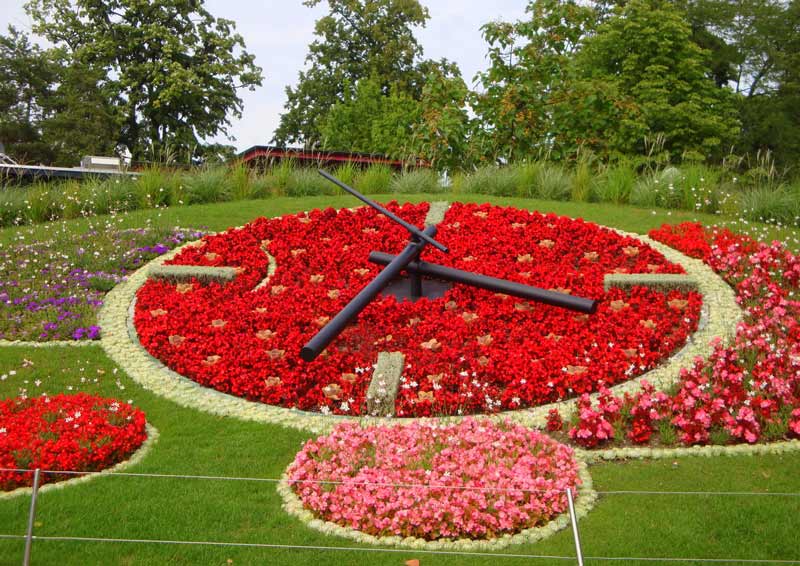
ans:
(475, 479)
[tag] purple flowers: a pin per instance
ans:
(51, 289)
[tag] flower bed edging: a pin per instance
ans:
(609, 454)
(583, 504)
(135, 458)
(51, 344)
(118, 338)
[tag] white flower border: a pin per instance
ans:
(630, 453)
(50, 344)
(135, 458)
(118, 338)
(584, 502)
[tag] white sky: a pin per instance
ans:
(278, 32)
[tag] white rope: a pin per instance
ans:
(404, 551)
(291, 546)
(403, 485)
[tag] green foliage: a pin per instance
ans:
(615, 183)
(26, 77)
(208, 184)
(307, 182)
(417, 181)
(156, 188)
(490, 180)
(240, 181)
(371, 122)
(358, 39)
(375, 179)
(171, 69)
(441, 133)
(645, 51)
(553, 183)
(583, 177)
(529, 73)
(765, 205)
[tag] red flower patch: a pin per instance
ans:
(66, 432)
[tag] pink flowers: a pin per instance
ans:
(744, 392)
(475, 479)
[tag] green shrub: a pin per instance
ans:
(154, 188)
(645, 191)
(527, 178)
(615, 184)
(417, 181)
(553, 183)
(375, 179)
(769, 205)
(14, 206)
(582, 178)
(492, 180)
(347, 174)
(205, 185)
(44, 203)
(277, 176)
(261, 186)
(308, 182)
(239, 178)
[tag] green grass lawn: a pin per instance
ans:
(191, 442)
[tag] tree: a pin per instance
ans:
(26, 77)
(174, 70)
(358, 39)
(529, 74)
(646, 52)
(369, 121)
(433, 128)
(80, 118)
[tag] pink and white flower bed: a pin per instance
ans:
(476, 479)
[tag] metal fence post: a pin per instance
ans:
(574, 520)
(26, 560)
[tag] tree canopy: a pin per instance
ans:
(358, 40)
(170, 69)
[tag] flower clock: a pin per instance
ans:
(234, 311)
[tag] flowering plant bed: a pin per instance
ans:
(78, 432)
(51, 288)
(476, 479)
(744, 392)
(469, 352)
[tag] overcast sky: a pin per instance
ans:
(278, 32)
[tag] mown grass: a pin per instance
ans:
(192, 442)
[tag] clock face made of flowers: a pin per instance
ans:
(469, 351)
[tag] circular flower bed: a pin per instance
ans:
(468, 352)
(78, 432)
(476, 479)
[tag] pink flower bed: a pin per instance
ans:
(748, 391)
(476, 479)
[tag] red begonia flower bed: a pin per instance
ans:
(469, 352)
(78, 432)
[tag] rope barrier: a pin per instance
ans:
(401, 485)
(404, 551)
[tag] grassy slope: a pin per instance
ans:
(195, 443)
